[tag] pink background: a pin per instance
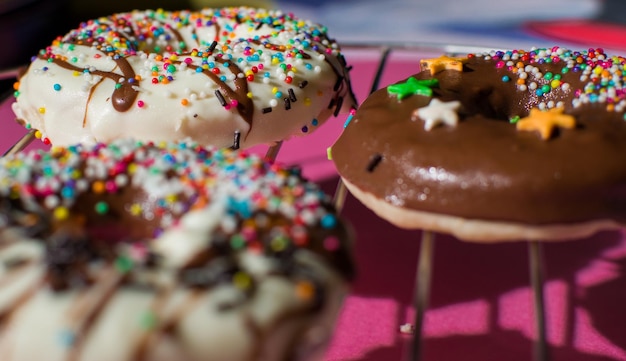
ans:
(480, 307)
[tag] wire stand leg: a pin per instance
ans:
(11, 73)
(340, 196)
(423, 279)
(537, 283)
(341, 191)
(21, 144)
(272, 151)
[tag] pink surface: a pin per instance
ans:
(480, 307)
(580, 31)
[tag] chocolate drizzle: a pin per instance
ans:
(124, 95)
(88, 306)
(165, 326)
(245, 106)
(151, 333)
(15, 305)
(91, 91)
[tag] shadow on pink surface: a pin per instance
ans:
(480, 305)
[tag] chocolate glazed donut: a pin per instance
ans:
(136, 251)
(495, 146)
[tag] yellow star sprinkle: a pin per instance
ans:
(444, 62)
(545, 121)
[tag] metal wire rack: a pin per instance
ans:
(425, 259)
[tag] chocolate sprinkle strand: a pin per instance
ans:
(303, 84)
(212, 46)
(292, 95)
(332, 103)
(342, 59)
(374, 161)
(338, 106)
(287, 104)
(267, 110)
(220, 97)
(236, 140)
(338, 83)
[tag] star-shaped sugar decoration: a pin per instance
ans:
(444, 62)
(544, 121)
(438, 112)
(413, 86)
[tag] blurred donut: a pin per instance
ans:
(136, 251)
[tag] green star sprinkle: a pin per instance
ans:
(413, 86)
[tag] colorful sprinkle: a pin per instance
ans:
(413, 86)
(101, 208)
(262, 206)
(601, 75)
(442, 63)
(545, 121)
(305, 290)
(61, 213)
(331, 244)
(67, 338)
(148, 320)
(124, 264)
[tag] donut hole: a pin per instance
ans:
(482, 96)
(497, 96)
(489, 103)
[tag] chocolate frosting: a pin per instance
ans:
(484, 168)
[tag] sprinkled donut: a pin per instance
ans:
(503, 145)
(169, 251)
(235, 76)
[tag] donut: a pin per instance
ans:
(232, 76)
(135, 250)
(495, 146)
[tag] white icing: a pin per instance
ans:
(179, 243)
(82, 110)
(205, 332)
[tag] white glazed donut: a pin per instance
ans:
(131, 251)
(234, 76)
